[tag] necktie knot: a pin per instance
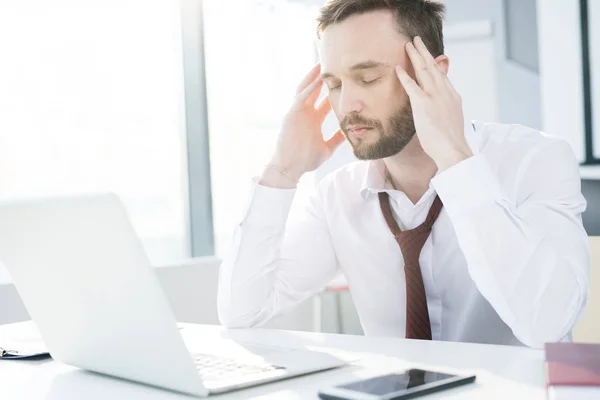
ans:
(411, 240)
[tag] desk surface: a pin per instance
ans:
(503, 372)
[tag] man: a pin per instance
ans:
(444, 230)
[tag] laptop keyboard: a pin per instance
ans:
(212, 367)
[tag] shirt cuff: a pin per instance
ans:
(467, 186)
(267, 205)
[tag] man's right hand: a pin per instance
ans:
(301, 147)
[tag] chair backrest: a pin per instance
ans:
(11, 307)
(588, 328)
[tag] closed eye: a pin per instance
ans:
(362, 81)
(367, 82)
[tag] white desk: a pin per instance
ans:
(502, 372)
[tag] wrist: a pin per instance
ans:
(453, 157)
(293, 172)
(279, 177)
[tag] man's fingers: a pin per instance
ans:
(411, 87)
(423, 51)
(309, 78)
(311, 93)
(435, 69)
(336, 140)
(324, 108)
(422, 71)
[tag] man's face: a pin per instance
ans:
(358, 59)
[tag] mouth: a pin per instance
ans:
(358, 130)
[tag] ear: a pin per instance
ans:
(443, 63)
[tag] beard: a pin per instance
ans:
(391, 140)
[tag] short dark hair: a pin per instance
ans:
(422, 18)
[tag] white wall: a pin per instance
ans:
(560, 71)
(471, 49)
(518, 87)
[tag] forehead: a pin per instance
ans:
(370, 36)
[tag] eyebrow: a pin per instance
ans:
(358, 67)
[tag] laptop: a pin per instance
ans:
(86, 282)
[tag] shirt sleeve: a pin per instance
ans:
(275, 262)
(529, 258)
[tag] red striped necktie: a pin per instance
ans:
(411, 242)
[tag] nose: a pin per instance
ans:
(349, 102)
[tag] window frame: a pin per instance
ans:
(588, 121)
(199, 208)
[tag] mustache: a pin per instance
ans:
(356, 119)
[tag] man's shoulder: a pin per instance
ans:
(513, 141)
(498, 134)
(351, 174)
(345, 181)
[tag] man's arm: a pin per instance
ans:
(271, 267)
(530, 260)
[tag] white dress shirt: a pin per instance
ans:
(507, 261)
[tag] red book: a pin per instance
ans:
(573, 370)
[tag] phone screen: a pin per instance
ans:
(385, 384)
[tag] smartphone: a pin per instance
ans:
(405, 385)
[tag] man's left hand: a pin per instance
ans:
(436, 106)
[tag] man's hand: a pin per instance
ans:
(301, 147)
(436, 106)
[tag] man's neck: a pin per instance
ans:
(411, 170)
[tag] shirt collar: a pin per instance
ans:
(375, 179)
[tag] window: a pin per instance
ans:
(91, 99)
(256, 54)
